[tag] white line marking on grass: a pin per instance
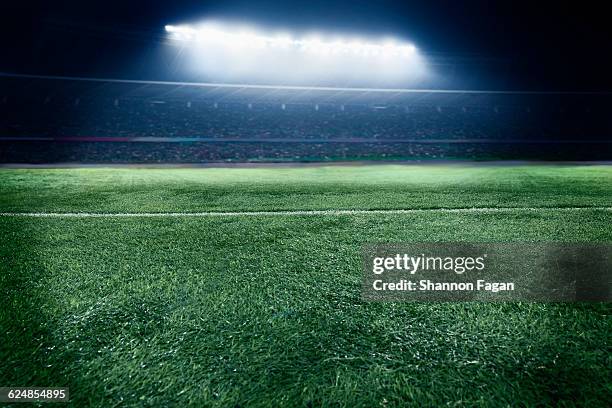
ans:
(293, 212)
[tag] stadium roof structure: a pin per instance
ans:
(58, 86)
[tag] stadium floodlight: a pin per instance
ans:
(224, 51)
(181, 32)
(232, 37)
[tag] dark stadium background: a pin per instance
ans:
(550, 59)
(490, 44)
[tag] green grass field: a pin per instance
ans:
(266, 310)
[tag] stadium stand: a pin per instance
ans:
(47, 119)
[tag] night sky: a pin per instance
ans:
(498, 44)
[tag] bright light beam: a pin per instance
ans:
(231, 37)
(237, 52)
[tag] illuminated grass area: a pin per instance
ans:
(266, 310)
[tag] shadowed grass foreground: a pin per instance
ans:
(266, 311)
